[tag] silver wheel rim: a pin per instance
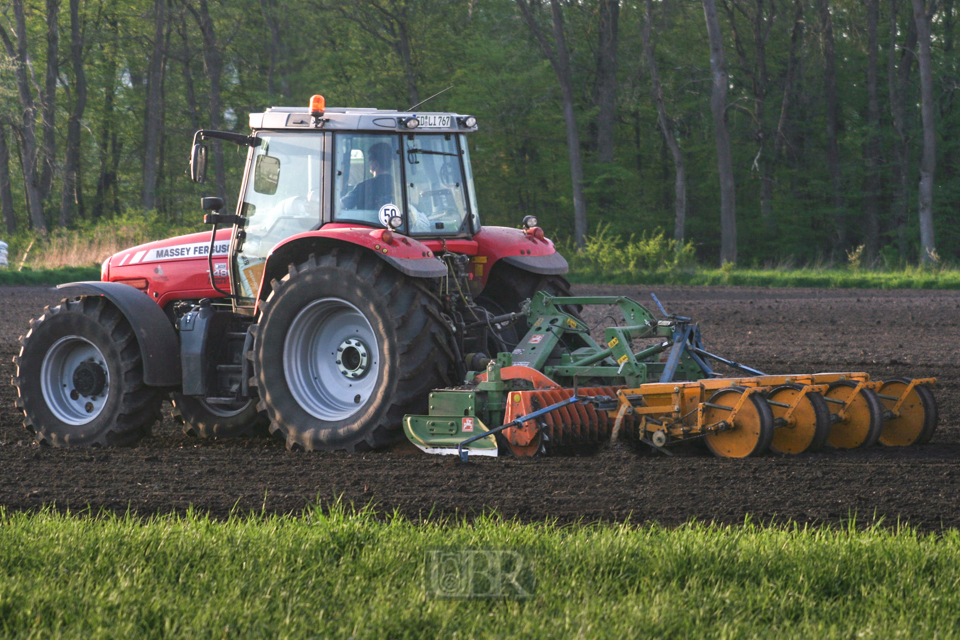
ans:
(226, 411)
(75, 380)
(331, 359)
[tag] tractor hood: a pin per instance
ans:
(174, 268)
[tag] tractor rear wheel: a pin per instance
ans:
(345, 347)
(508, 287)
(80, 377)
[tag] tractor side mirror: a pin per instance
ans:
(198, 163)
(211, 203)
(266, 175)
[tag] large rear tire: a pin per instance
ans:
(80, 377)
(509, 286)
(345, 347)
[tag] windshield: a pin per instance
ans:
(282, 198)
(377, 174)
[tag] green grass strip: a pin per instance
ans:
(48, 276)
(824, 279)
(341, 574)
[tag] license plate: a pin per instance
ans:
(434, 122)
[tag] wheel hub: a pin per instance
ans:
(75, 380)
(331, 359)
(353, 359)
(89, 379)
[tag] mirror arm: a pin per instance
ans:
(237, 138)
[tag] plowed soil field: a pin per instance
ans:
(885, 333)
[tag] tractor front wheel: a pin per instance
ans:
(345, 347)
(80, 377)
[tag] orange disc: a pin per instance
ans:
(917, 419)
(864, 416)
(752, 426)
(809, 423)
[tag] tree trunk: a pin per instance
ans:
(899, 83)
(666, 128)
(108, 143)
(6, 195)
(928, 162)
(833, 122)
(559, 58)
(403, 50)
(278, 53)
(27, 130)
(151, 121)
(214, 64)
(718, 104)
(873, 161)
(48, 156)
(607, 79)
(768, 178)
(188, 75)
(71, 186)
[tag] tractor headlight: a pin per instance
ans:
(410, 123)
(468, 121)
(396, 222)
(530, 222)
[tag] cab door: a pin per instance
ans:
(283, 193)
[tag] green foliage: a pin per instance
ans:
(340, 573)
(28, 276)
(832, 278)
(608, 257)
(90, 242)
(348, 50)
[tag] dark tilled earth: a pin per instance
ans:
(886, 333)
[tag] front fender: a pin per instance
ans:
(406, 255)
(157, 338)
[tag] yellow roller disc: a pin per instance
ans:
(809, 424)
(752, 426)
(917, 419)
(864, 416)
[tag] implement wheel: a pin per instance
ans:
(752, 426)
(864, 416)
(918, 415)
(809, 424)
(347, 346)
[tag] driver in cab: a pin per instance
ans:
(378, 190)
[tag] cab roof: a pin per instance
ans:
(354, 119)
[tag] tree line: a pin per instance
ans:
(763, 131)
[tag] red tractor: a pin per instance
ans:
(353, 278)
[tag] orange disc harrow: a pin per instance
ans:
(862, 418)
(915, 420)
(806, 427)
(752, 428)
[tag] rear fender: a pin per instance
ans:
(517, 248)
(406, 255)
(157, 338)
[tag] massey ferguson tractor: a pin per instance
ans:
(354, 295)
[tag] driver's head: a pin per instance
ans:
(379, 155)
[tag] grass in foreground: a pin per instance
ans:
(346, 574)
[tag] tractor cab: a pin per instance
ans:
(309, 167)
